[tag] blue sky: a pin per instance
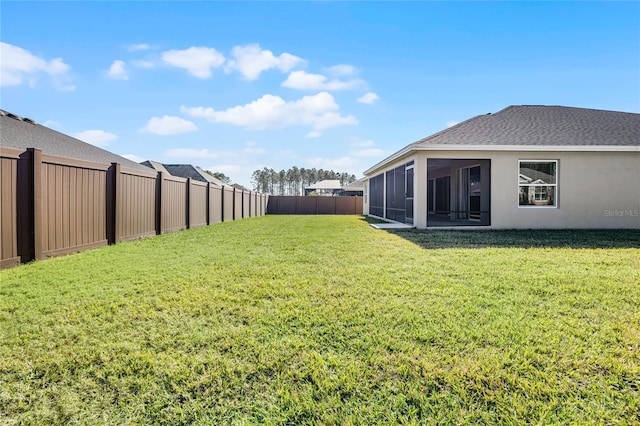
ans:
(237, 86)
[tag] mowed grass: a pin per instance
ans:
(324, 320)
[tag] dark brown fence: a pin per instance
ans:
(53, 205)
(314, 205)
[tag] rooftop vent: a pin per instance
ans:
(15, 117)
(3, 112)
(28, 120)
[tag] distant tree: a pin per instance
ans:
(282, 181)
(294, 180)
(220, 176)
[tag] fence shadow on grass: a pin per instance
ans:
(575, 239)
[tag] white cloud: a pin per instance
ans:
(452, 123)
(254, 151)
(368, 98)
(251, 61)
(273, 112)
(303, 80)
(342, 69)
(365, 148)
(138, 47)
(18, 65)
(227, 169)
(193, 153)
(238, 173)
(168, 125)
(139, 63)
(362, 142)
(96, 137)
(197, 60)
(51, 123)
(134, 157)
(372, 152)
(234, 163)
(341, 163)
(118, 71)
(206, 153)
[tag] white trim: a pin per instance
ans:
(560, 148)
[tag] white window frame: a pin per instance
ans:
(546, 185)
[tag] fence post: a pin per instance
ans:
(222, 203)
(114, 214)
(233, 210)
(187, 201)
(208, 201)
(37, 194)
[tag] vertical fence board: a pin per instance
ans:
(237, 205)
(198, 204)
(245, 203)
(215, 204)
(8, 219)
(80, 235)
(173, 204)
(64, 206)
(73, 183)
(228, 196)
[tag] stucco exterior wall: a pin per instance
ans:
(596, 190)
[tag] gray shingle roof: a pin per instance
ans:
(19, 134)
(539, 125)
(158, 167)
(189, 171)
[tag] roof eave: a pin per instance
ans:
(531, 148)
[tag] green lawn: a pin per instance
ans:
(324, 320)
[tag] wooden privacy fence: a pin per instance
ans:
(279, 204)
(53, 205)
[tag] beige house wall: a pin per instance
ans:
(596, 190)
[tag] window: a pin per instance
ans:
(537, 183)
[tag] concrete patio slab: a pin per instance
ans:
(391, 226)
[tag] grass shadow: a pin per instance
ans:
(370, 219)
(591, 239)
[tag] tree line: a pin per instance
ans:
(294, 180)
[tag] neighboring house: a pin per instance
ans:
(21, 133)
(324, 187)
(240, 187)
(353, 189)
(183, 171)
(522, 167)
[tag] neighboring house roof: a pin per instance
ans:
(354, 186)
(535, 127)
(325, 184)
(19, 133)
(183, 171)
(240, 187)
(158, 167)
(189, 171)
(208, 177)
(527, 175)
